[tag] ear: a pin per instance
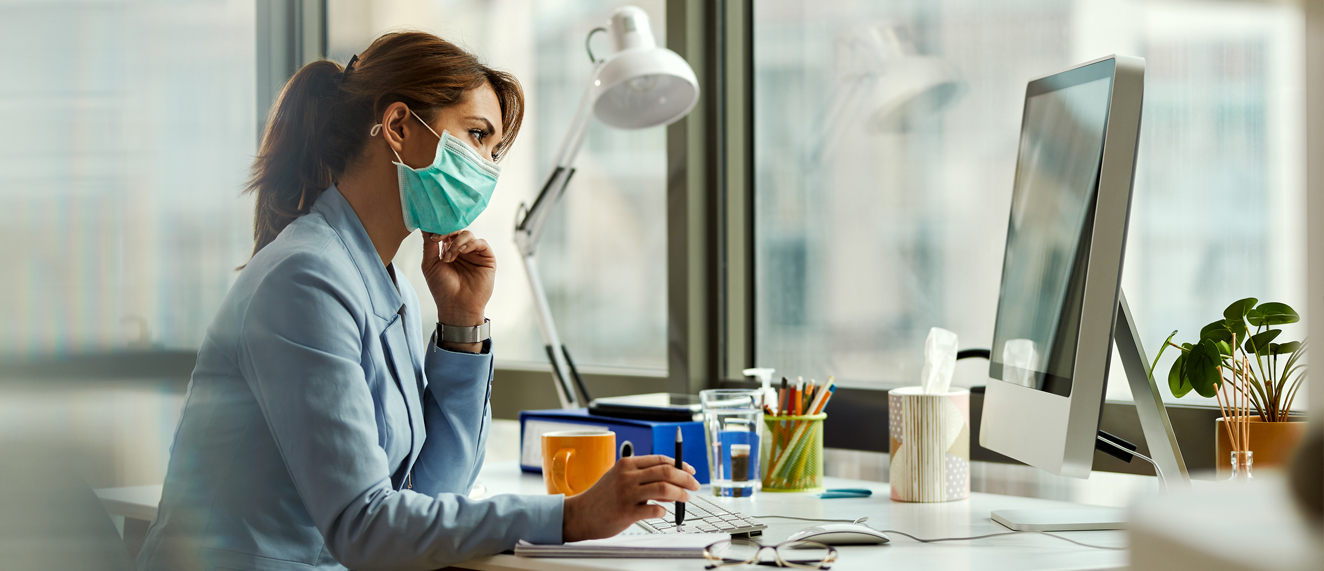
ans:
(394, 122)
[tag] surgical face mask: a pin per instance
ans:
(449, 194)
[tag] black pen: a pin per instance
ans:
(680, 450)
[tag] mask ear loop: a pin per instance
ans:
(373, 133)
(378, 128)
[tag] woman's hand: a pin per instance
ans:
(620, 497)
(460, 269)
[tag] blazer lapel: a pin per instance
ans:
(395, 342)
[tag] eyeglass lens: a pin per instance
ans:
(796, 554)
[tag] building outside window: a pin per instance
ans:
(867, 237)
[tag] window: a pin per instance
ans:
(865, 237)
(130, 130)
(603, 258)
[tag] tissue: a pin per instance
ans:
(1020, 358)
(939, 361)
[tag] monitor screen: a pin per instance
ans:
(1048, 237)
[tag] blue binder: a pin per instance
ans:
(643, 436)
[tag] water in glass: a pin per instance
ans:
(733, 421)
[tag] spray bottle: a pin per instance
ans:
(769, 395)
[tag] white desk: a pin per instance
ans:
(1247, 527)
(965, 518)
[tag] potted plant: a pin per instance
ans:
(1241, 361)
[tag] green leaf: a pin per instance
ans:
(1217, 331)
(1176, 382)
(1239, 309)
(1259, 344)
(1202, 368)
(1284, 348)
(1272, 313)
(1236, 326)
(1224, 348)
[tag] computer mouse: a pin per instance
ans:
(841, 534)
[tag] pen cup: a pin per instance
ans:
(793, 458)
(929, 445)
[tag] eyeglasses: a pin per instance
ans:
(795, 554)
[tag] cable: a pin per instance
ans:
(998, 535)
(902, 533)
(860, 520)
(1163, 482)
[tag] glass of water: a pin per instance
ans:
(732, 421)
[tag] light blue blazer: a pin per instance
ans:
(315, 405)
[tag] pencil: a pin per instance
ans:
(821, 400)
(827, 397)
(782, 402)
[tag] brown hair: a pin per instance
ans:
(320, 123)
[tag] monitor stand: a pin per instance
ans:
(1154, 423)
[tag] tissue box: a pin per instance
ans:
(930, 444)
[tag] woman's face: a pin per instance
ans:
(476, 120)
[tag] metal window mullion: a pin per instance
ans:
(290, 34)
(691, 221)
(738, 190)
(1314, 74)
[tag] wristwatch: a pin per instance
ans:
(454, 334)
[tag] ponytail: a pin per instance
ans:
(319, 125)
(291, 170)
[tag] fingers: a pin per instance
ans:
(649, 511)
(464, 243)
(651, 460)
(431, 248)
(670, 475)
(642, 462)
(659, 492)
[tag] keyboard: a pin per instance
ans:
(702, 515)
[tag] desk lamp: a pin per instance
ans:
(884, 73)
(639, 85)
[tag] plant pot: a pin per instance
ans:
(1272, 443)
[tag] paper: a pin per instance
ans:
(939, 361)
(651, 546)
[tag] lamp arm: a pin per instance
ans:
(840, 103)
(531, 221)
(529, 226)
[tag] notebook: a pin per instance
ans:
(651, 546)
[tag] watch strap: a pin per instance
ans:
(456, 334)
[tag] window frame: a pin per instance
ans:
(709, 255)
(856, 407)
(710, 224)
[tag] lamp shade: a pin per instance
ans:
(913, 89)
(641, 85)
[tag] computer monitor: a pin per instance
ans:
(1061, 304)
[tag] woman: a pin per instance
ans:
(321, 429)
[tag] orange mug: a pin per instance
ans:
(572, 461)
